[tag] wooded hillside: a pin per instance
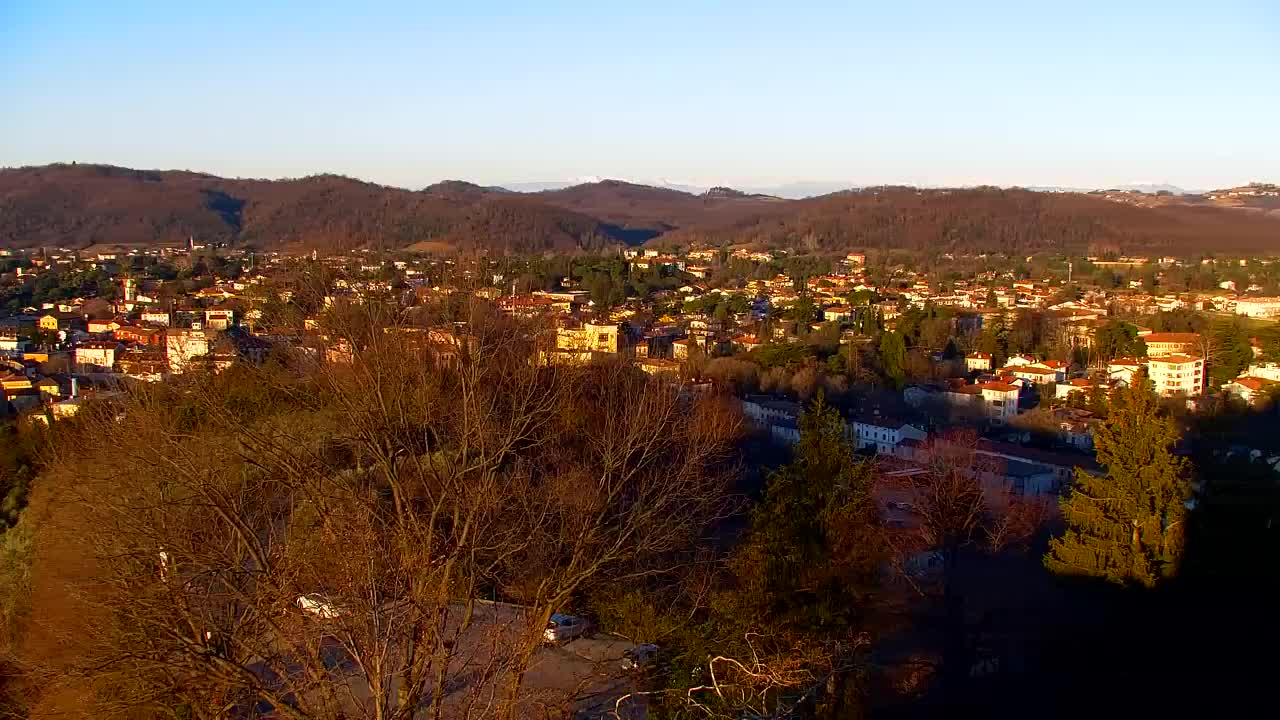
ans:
(82, 205)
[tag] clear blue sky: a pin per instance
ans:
(406, 93)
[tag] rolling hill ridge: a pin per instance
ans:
(82, 205)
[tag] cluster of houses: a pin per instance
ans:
(56, 355)
(145, 338)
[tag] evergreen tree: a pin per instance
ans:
(1230, 351)
(1099, 401)
(994, 340)
(813, 554)
(893, 357)
(1127, 526)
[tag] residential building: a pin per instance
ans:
(1268, 371)
(1034, 373)
(1250, 389)
(182, 345)
(1170, 343)
(659, 366)
(97, 355)
(12, 382)
(680, 349)
(156, 317)
(99, 327)
(1074, 385)
(777, 417)
(1259, 307)
(10, 342)
(56, 321)
(140, 335)
(50, 387)
(1123, 369)
(590, 337)
(995, 401)
(219, 318)
(837, 313)
(977, 362)
(882, 433)
(143, 364)
(1177, 375)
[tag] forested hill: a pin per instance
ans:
(989, 220)
(82, 205)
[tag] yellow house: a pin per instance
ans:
(590, 338)
(11, 382)
(61, 321)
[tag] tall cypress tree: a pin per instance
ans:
(1128, 525)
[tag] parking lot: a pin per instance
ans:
(579, 678)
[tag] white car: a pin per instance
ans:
(320, 606)
(563, 628)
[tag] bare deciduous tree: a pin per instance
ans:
(319, 538)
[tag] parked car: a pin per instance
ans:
(638, 656)
(320, 606)
(563, 628)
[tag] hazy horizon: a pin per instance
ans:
(790, 189)
(746, 95)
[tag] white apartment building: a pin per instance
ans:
(1177, 375)
(1171, 343)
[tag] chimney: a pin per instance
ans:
(75, 385)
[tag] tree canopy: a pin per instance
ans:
(1127, 526)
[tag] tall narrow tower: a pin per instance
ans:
(130, 287)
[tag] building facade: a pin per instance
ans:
(1177, 375)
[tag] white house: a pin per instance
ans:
(182, 345)
(1250, 389)
(1033, 373)
(155, 317)
(996, 401)
(882, 433)
(836, 313)
(1123, 369)
(1080, 385)
(778, 417)
(99, 355)
(977, 361)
